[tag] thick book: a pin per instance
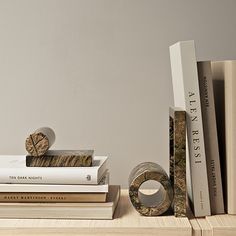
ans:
(101, 187)
(13, 170)
(187, 97)
(210, 137)
(93, 210)
(224, 78)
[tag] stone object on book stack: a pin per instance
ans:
(40, 141)
(62, 158)
(37, 145)
(80, 192)
(19, 183)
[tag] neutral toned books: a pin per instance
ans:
(62, 184)
(13, 170)
(186, 96)
(210, 137)
(63, 210)
(224, 77)
(55, 193)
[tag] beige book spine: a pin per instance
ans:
(225, 73)
(53, 197)
(230, 119)
(210, 137)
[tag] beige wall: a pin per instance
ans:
(98, 72)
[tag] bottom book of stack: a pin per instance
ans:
(63, 210)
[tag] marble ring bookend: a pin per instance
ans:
(157, 203)
(173, 192)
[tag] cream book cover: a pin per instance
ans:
(224, 75)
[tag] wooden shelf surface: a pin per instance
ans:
(221, 225)
(126, 222)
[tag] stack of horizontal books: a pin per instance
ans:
(31, 190)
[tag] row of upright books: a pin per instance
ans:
(205, 90)
(56, 192)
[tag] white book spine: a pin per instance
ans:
(14, 171)
(186, 96)
(41, 175)
(57, 188)
(53, 188)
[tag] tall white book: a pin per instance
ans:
(186, 96)
(224, 77)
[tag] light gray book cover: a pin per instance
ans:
(210, 137)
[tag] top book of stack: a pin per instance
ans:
(14, 170)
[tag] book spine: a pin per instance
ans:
(46, 175)
(224, 73)
(230, 134)
(217, 69)
(186, 96)
(52, 197)
(210, 137)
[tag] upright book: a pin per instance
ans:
(210, 137)
(13, 170)
(224, 77)
(187, 97)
